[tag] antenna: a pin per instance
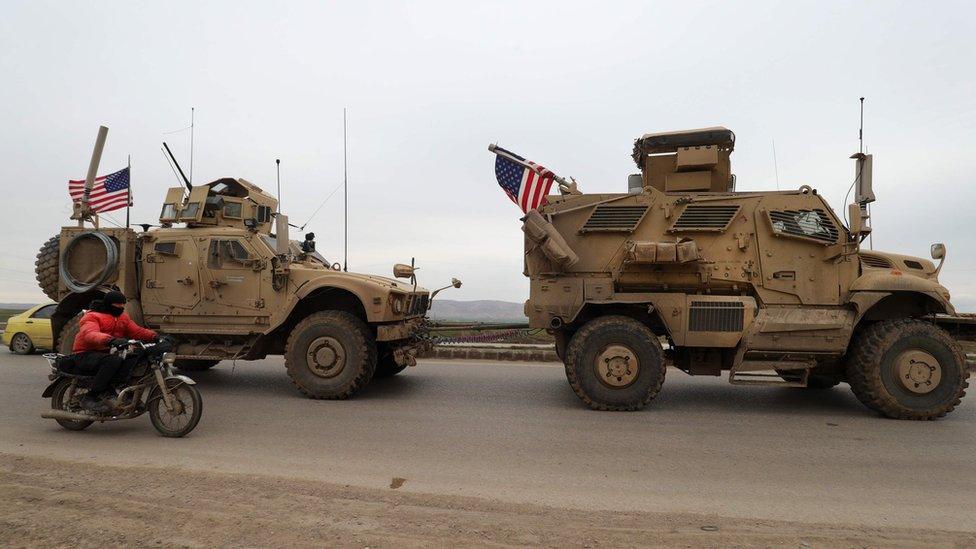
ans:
(345, 197)
(189, 186)
(860, 131)
(278, 170)
(191, 145)
(775, 165)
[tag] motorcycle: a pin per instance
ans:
(173, 402)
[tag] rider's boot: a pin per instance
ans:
(94, 405)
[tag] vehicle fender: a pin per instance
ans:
(888, 281)
(50, 389)
(363, 291)
(182, 378)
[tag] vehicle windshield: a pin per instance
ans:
(296, 248)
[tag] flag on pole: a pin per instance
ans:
(109, 192)
(526, 183)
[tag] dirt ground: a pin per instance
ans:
(48, 503)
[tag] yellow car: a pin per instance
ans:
(30, 330)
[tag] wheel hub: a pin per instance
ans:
(918, 371)
(326, 357)
(617, 366)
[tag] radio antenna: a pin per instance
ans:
(189, 186)
(191, 145)
(345, 197)
(775, 165)
(278, 171)
(860, 131)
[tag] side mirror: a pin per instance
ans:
(938, 250)
(401, 270)
(456, 283)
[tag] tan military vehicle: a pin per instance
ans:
(221, 276)
(769, 286)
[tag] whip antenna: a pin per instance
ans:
(278, 171)
(345, 198)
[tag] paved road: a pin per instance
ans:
(516, 432)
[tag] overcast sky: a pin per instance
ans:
(428, 85)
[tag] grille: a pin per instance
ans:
(696, 217)
(614, 218)
(418, 304)
(716, 316)
(876, 262)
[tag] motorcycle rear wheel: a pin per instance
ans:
(189, 409)
(60, 401)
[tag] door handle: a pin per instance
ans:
(29, 322)
(785, 275)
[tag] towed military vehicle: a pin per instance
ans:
(221, 277)
(771, 287)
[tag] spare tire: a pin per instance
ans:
(87, 261)
(46, 267)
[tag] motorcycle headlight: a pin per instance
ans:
(169, 358)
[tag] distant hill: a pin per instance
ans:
(17, 306)
(477, 311)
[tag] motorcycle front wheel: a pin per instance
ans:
(186, 413)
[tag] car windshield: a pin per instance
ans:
(296, 248)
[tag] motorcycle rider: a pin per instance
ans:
(104, 327)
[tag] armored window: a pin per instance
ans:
(168, 213)
(226, 254)
(168, 248)
(233, 209)
(808, 224)
(44, 312)
(190, 211)
(264, 214)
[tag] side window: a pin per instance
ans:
(227, 254)
(44, 312)
(806, 224)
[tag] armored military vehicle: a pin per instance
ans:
(221, 276)
(770, 286)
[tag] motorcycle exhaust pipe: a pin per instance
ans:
(71, 416)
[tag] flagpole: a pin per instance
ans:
(566, 187)
(128, 202)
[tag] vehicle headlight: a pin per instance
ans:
(398, 303)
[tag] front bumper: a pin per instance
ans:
(411, 328)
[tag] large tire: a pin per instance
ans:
(21, 344)
(194, 365)
(907, 369)
(46, 267)
(615, 363)
(190, 412)
(66, 339)
(59, 401)
(330, 355)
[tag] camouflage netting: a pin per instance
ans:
(46, 267)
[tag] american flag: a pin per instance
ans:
(110, 192)
(527, 185)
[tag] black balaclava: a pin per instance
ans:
(106, 304)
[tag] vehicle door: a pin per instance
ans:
(39, 327)
(171, 288)
(234, 272)
(801, 245)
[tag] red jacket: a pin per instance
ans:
(98, 329)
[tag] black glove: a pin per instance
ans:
(118, 342)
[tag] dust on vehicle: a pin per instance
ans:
(771, 287)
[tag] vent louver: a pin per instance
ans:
(876, 262)
(716, 316)
(809, 224)
(614, 218)
(696, 217)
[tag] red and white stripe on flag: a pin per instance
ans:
(535, 187)
(101, 199)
